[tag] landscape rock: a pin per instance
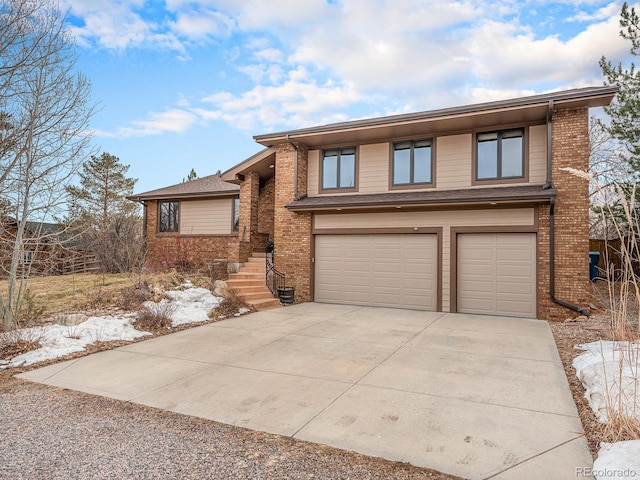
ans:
(220, 288)
(70, 319)
(578, 319)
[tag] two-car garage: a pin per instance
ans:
(494, 273)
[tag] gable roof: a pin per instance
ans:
(209, 186)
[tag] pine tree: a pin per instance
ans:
(192, 176)
(99, 205)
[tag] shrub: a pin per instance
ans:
(229, 306)
(131, 298)
(17, 342)
(154, 317)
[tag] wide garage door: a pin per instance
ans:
(394, 270)
(497, 274)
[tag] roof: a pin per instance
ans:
(493, 195)
(522, 109)
(211, 185)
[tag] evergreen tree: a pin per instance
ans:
(100, 207)
(192, 176)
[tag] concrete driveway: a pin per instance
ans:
(474, 396)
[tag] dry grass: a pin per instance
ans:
(229, 306)
(154, 317)
(15, 342)
(69, 293)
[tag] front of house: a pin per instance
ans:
(466, 209)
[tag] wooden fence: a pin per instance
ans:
(610, 254)
(80, 264)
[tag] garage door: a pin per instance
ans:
(497, 274)
(395, 270)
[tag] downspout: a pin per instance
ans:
(295, 169)
(552, 223)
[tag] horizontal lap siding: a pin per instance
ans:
(206, 217)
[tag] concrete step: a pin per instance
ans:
(259, 255)
(244, 289)
(265, 304)
(247, 276)
(235, 283)
(246, 296)
(256, 260)
(250, 267)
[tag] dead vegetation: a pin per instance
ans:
(229, 306)
(154, 317)
(17, 342)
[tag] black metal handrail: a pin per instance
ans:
(274, 278)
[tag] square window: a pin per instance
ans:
(412, 162)
(169, 217)
(339, 168)
(500, 155)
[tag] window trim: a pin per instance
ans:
(498, 181)
(321, 188)
(168, 232)
(410, 186)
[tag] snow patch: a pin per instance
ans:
(609, 372)
(617, 460)
(59, 340)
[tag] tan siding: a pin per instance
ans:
(374, 168)
(453, 162)
(206, 217)
(538, 154)
(313, 173)
(445, 219)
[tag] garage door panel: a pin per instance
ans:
(496, 274)
(395, 270)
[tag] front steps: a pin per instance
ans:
(249, 283)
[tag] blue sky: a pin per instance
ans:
(186, 84)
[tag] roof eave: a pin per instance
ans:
(592, 96)
(142, 198)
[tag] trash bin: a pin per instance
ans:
(594, 258)
(286, 295)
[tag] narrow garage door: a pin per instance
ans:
(497, 274)
(394, 270)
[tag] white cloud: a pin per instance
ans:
(608, 11)
(298, 101)
(169, 121)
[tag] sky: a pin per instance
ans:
(182, 84)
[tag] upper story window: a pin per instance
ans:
(169, 219)
(412, 162)
(500, 155)
(339, 168)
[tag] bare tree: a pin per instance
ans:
(46, 110)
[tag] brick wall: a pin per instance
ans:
(570, 149)
(265, 207)
(186, 252)
(292, 233)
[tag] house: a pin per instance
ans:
(463, 209)
(47, 249)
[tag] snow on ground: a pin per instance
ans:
(617, 460)
(191, 304)
(188, 305)
(609, 373)
(59, 340)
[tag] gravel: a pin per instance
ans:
(50, 432)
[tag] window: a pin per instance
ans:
(412, 162)
(339, 168)
(500, 155)
(27, 258)
(236, 214)
(169, 218)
